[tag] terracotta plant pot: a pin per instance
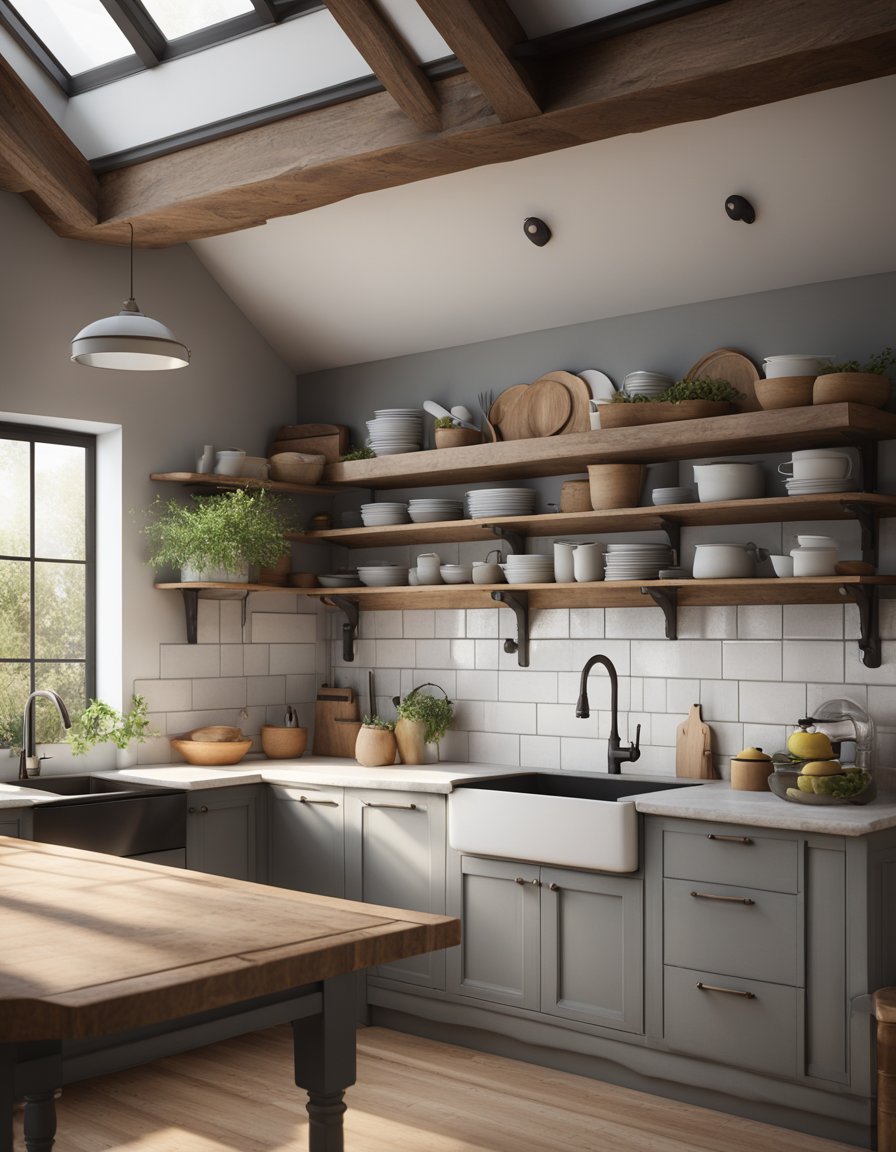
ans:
(278, 574)
(660, 412)
(456, 437)
(409, 738)
(784, 391)
(375, 747)
(851, 388)
(615, 485)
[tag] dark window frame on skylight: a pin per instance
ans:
(150, 46)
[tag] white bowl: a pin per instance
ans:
(783, 565)
(457, 573)
(798, 364)
(229, 462)
(726, 480)
(722, 562)
(814, 561)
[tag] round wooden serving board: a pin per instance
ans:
(579, 419)
(548, 406)
(740, 372)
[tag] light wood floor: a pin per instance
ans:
(412, 1095)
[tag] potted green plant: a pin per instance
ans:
(449, 434)
(683, 400)
(375, 745)
(422, 720)
(100, 723)
(856, 382)
(218, 537)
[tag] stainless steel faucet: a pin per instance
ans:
(29, 763)
(617, 754)
(842, 721)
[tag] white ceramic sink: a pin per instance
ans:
(573, 821)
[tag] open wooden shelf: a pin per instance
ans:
(742, 433)
(830, 506)
(212, 480)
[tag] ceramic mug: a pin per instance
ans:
(564, 568)
(588, 562)
(837, 466)
(429, 568)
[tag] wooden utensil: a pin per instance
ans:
(740, 372)
(549, 407)
(693, 747)
(579, 419)
(336, 722)
(501, 413)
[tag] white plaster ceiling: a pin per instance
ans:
(638, 223)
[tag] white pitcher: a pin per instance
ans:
(564, 570)
(588, 562)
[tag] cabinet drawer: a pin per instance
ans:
(747, 1024)
(726, 858)
(739, 931)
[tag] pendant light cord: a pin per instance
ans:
(131, 226)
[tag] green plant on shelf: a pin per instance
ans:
(434, 712)
(379, 722)
(877, 365)
(700, 389)
(100, 723)
(359, 454)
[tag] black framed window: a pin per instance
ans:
(47, 573)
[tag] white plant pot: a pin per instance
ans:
(190, 575)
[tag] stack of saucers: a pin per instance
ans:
(637, 561)
(383, 512)
(817, 487)
(646, 383)
(529, 569)
(424, 511)
(396, 430)
(501, 502)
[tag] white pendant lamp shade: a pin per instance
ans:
(130, 341)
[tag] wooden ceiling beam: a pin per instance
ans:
(36, 155)
(390, 61)
(737, 55)
(481, 34)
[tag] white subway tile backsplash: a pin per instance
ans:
(504, 717)
(463, 653)
(727, 739)
(231, 613)
(528, 685)
(751, 660)
(469, 715)
(586, 623)
(549, 623)
(389, 625)
(265, 690)
(804, 658)
(662, 729)
(719, 700)
(166, 695)
(771, 703)
(477, 685)
(712, 623)
(222, 692)
(771, 738)
(444, 678)
(561, 720)
(813, 622)
(434, 653)
(289, 658)
(759, 622)
(494, 748)
(208, 622)
(283, 628)
(540, 752)
(450, 622)
(455, 745)
(482, 623)
(256, 659)
(579, 754)
(232, 660)
(693, 658)
(419, 625)
(681, 694)
(189, 660)
(856, 672)
(394, 654)
(634, 623)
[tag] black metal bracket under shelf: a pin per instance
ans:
(516, 540)
(350, 609)
(667, 600)
(191, 607)
(868, 518)
(867, 599)
(518, 602)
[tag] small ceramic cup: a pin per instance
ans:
(783, 565)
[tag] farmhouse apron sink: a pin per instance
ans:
(572, 821)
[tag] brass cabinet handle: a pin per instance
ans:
(730, 839)
(730, 991)
(324, 803)
(725, 899)
(404, 807)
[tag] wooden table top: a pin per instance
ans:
(94, 944)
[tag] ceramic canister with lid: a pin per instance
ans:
(750, 770)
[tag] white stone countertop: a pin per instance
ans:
(711, 801)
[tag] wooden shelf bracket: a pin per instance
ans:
(350, 609)
(518, 602)
(667, 600)
(867, 600)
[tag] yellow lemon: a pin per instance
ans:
(821, 768)
(809, 745)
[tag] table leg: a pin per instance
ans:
(7, 1097)
(40, 1121)
(324, 1052)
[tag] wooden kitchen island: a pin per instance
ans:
(107, 955)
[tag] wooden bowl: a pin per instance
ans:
(215, 733)
(456, 437)
(303, 579)
(297, 467)
(851, 388)
(615, 485)
(784, 391)
(575, 496)
(283, 743)
(660, 412)
(209, 753)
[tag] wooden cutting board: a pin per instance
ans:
(548, 406)
(579, 419)
(336, 722)
(693, 747)
(508, 415)
(739, 370)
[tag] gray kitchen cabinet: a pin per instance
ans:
(222, 831)
(16, 822)
(553, 940)
(306, 839)
(395, 846)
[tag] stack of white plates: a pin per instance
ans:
(646, 383)
(673, 495)
(501, 502)
(396, 430)
(382, 575)
(815, 487)
(385, 512)
(529, 569)
(637, 561)
(423, 511)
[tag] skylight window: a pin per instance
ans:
(175, 18)
(80, 33)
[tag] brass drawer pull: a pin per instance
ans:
(731, 991)
(404, 807)
(726, 899)
(324, 803)
(730, 839)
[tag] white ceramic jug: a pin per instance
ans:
(564, 569)
(428, 568)
(588, 562)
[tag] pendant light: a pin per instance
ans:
(130, 341)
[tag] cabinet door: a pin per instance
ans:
(499, 955)
(591, 939)
(221, 832)
(395, 855)
(306, 839)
